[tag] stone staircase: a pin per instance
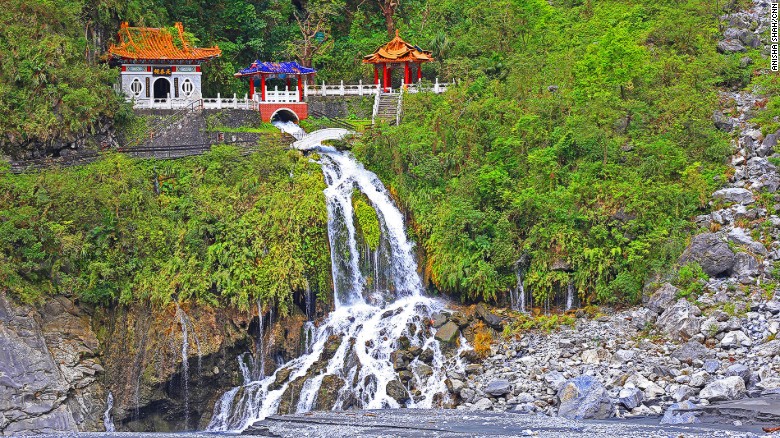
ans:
(387, 108)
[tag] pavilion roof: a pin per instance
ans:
(288, 68)
(397, 51)
(158, 43)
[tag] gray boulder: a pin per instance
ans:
(711, 253)
(662, 298)
(630, 397)
(711, 365)
(730, 46)
(690, 352)
(497, 388)
(642, 317)
(584, 397)
(767, 146)
(740, 237)
(762, 174)
(681, 321)
(482, 404)
(745, 265)
(729, 388)
(739, 370)
(722, 121)
(678, 413)
(736, 339)
(735, 195)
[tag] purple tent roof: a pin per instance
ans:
(290, 68)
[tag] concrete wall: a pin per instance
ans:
(341, 106)
(201, 128)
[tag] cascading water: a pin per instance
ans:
(356, 347)
(108, 422)
(185, 368)
(570, 296)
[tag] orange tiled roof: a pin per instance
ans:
(157, 43)
(396, 51)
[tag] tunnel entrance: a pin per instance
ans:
(284, 115)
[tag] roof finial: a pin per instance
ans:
(396, 32)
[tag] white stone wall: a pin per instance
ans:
(138, 71)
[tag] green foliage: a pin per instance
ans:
(220, 229)
(582, 138)
(367, 220)
(690, 280)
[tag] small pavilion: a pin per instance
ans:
(287, 103)
(159, 63)
(396, 52)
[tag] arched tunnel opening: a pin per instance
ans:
(284, 115)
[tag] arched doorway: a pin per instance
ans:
(162, 88)
(284, 115)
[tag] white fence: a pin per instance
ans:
(284, 96)
(362, 89)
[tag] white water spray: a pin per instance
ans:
(185, 367)
(355, 345)
(108, 422)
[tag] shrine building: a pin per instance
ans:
(278, 87)
(396, 54)
(159, 63)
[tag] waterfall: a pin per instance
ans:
(570, 296)
(108, 422)
(260, 349)
(185, 367)
(354, 345)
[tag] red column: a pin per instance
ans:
(288, 82)
(300, 88)
(251, 87)
(407, 76)
(376, 75)
(385, 77)
(419, 71)
(262, 88)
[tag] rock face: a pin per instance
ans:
(711, 253)
(584, 398)
(48, 369)
(681, 321)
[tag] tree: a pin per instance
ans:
(314, 24)
(388, 8)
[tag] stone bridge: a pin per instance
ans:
(314, 139)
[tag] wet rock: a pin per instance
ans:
(690, 352)
(424, 371)
(735, 195)
(630, 397)
(448, 333)
(439, 320)
(461, 320)
(491, 319)
(711, 253)
(662, 298)
(331, 346)
(584, 397)
(399, 360)
(328, 392)
(395, 389)
(681, 321)
(426, 356)
(498, 387)
(729, 388)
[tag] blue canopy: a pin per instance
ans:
(276, 68)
